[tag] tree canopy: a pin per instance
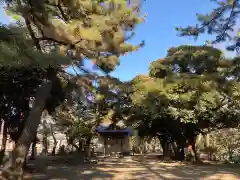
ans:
(53, 35)
(192, 90)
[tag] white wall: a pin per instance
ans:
(112, 145)
(61, 140)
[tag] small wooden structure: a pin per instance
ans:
(113, 141)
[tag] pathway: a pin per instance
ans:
(128, 169)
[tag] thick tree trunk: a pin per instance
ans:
(167, 151)
(24, 166)
(165, 147)
(4, 142)
(12, 169)
(179, 150)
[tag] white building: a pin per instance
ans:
(112, 140)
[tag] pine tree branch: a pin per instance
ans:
(36, 41)
(61, 11)
(28, 24)
(214, 17)
(225, 27)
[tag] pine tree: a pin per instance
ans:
(97, 30)
(186, 93)
(221, 21)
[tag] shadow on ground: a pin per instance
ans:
(130, 169)
(176, 170)
(55, 168)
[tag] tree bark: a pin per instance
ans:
(87, 147)
(230, 155)
(195, 151)
(4, 142)
(165, 147)
(54, 142)
(104, 148)
(45, 134)
(178, 151)
(175, 149)
(167, 151)
(80, 145)
(44, 145)
(12, 169)
(54, 148)
(33, 152)
(180, 155)
(192, 145)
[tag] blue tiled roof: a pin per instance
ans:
(103, 128)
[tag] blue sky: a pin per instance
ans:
(158, 32)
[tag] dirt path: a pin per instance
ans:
(127, 169)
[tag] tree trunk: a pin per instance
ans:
(4, 142)
(54, 142)
(33, 152)
(165, 147)
(12, 169)
(54, 148)
(45, 134)
(206, 140)
(194, 151)
(44, 142)
(24, 166)
(230, 155)
(54, 145)
(192, 148)
(178, 151)
(167, 151)
(180, 155)
(175, 149)
(87, 147)
(104, 149)
(80, 145)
